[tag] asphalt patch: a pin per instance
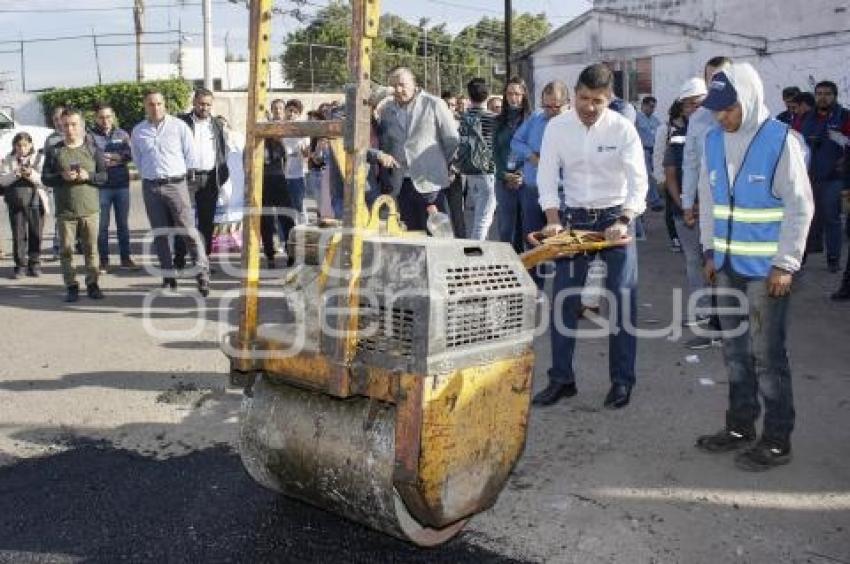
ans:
(96, 503)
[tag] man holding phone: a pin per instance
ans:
(75, 168)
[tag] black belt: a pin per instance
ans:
(205, 172)
(166, 180)
(592, 213)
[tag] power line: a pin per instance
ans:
(108, 8)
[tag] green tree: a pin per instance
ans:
(316, 55)
(124, 97)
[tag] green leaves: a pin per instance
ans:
(316, 55)
(126, 99)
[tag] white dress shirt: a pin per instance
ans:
(295, 160)
(602, 166)
(204, 138)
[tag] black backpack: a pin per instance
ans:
(473, 154)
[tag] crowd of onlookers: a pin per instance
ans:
(473, 157)
(746, 199)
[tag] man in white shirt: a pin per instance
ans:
(296, 149)
(599, 155)
(211, 173)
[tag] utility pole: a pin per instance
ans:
(23, 70)
(207, 13)
(96, 56)
(312, 75)
(180, 47)
(423, 23)
(508, 29)
(138, 20)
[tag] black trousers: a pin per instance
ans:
(454, 197)
(669, 208)
(412, 205)
(275, 195)
(206, 199)
(26, 216)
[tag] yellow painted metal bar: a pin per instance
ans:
(311, 128)
(260, 31)
(365, 17)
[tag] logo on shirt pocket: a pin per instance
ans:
(754, 178)
(605, 148)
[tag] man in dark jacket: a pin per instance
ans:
(114, 143)
(826, 131)
(789, 95)
(212, 172)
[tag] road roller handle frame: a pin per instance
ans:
(455, 433)
(352, 160)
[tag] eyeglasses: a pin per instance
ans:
(553, 106)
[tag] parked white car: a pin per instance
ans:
(9, 128)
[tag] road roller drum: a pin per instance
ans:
(435, 413)
(393, 385)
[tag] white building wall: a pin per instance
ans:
(773, 19)
(802, 67)
(25, 107)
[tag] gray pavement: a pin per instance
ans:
(117, 434)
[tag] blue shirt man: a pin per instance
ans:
(163, 149)
(526, 146)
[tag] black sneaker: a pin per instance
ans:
(34, 270)
(169, 284)
(17, 272)
(700, 343)
(843, 292)
(73, 293)
(94, 291)
(203, 285)
(832, 265)
(763, 456)
(726, 440)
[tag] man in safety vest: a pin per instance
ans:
(757, 207)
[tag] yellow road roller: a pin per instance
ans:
(387, 374)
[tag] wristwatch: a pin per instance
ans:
(625, 220)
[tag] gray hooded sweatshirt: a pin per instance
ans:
(790, 184)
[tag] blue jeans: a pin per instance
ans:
(482, 195)
(653, 196)
(532, 219)
(621, 283)
(692, 252)
(757, 360)
(531, 214)
(508, 219)
(119, 200)
(338, 199)
(295, 188)
(518, 213)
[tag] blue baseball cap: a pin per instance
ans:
(721, 93)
